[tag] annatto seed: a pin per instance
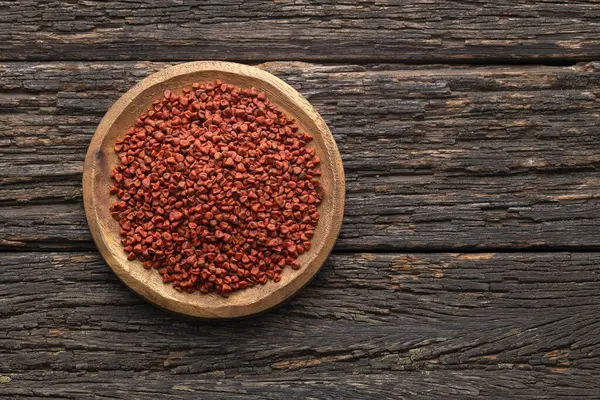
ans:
(217, 189)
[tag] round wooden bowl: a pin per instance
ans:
(101, 159)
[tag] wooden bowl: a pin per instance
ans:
(101, 159)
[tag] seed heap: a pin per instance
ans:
(217, 189)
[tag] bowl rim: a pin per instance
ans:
(278, 295)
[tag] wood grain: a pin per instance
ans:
(101, 159)
(324, 30)
(393, 325)
(436, 157)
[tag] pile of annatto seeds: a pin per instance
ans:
(217, 189)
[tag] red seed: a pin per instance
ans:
(191, 260)
(175, 216)
(216, 189)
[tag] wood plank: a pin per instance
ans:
(416, 30)
(428, 326)
(437, 158)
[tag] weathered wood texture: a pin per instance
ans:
(415, 30)
(436, 157)
(370, 326)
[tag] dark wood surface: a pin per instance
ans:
(436, 158)
(468, 263)
(369, 326)
(307, 30)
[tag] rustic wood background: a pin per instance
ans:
(468, 263)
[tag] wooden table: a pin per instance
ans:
(468, 263)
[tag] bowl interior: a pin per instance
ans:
(148, 282)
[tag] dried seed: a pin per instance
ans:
(216, 189)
